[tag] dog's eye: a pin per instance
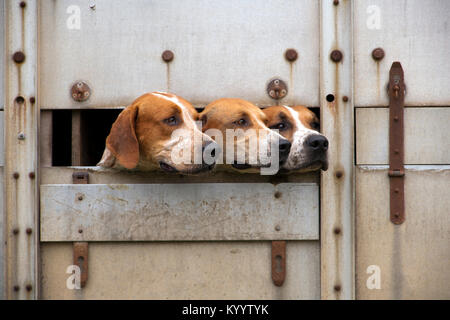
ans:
(241, 122)
(172, 121)
(315, 125)
(279, 126)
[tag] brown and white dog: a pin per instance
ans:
(142, 137)
(300, 126)
(234, 115)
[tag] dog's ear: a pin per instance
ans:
(122, 140)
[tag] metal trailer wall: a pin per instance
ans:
(2, 88)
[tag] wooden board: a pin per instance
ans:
(164, 212)
(427, 136)
(414, 257)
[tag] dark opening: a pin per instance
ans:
(330, 97)
(62, 138)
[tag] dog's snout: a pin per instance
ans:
(317, 143)
(284, 148)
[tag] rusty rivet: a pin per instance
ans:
(29, 231)
(378, 54)
(345, 98)
(32, 175)
(18, 57)
(16, 288)
(16, 175)
(291, 55)
(23, 4)
(80, 197)
(29, 287)
(396, 118)
(32, 99)
(80, 231)
(396, 190)
(277, 195)
(335, 2)
(339, 174)
(277, 227)
(15, 231)
(167, 56)
(337, 287)
(396, 151)
(337, 230)
(336, 55)
(20, 99)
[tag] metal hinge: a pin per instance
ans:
(81, 249)
(278, 262)
(396, 90)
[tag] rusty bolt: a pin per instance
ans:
(345, 98)
(16, 288)
(80, 231)
(339, 174)
(16, 175)
(167, 56)
(277, 195)
(32, 175)
(32, 99)
(335, 2)
(277, 227)
(29, 287)
(80, 197)
(336, 55)
(378, 54)
(396, 118)
(23, 4)
(16, 231)
(397, 190)
(291, 55)
(337, 230)
(19, 57)
(337, 287)
(29, 231)
(20, 99)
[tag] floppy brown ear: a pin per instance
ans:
(122, 141)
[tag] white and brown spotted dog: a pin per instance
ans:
(236, 114)
(142, 137)
(300, 126)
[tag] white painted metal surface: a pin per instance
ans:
(183, 270)
(427, 136)
(414, 32)
(414, 257)
(174, 212)
(337, 267)
(222, 49)
(21, 201)
(2, 137)
(2, 53)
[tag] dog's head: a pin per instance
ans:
(243, 128)
(157, 130)
(300, 126)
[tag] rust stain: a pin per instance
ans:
(168, 76)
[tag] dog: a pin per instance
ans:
(239, 116)
(300, 126)
(143, 136)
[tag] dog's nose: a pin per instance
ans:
(284, 148)
(317, 142)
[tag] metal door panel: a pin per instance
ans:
(164, 212)
(414, 32)
(222, 49)
(426, 136)
(413, 257)
(183, 270)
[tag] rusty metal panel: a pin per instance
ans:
(426, 136)
(183, 270)
(414, 32)
(411, 259)
(221, 49)
(336, 96)
(164, 212)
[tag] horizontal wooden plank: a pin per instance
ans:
(414, 257)
(427, 133)
(163, 212)
(183, 270)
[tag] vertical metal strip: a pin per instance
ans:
(337, 184)
(21, 149)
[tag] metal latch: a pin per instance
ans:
(278, 262)
(81, 249)
(396, 91)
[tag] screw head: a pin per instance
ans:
(29, 287)
(23, 4)
(337, 230)
(345, 98)
(167, 56)
(32, 175)
(80, 230)
(336, 55)
(16, 288)
(32, 99)
(16, 231)
(335, 2)
(277, 195)
(29, 231)
(337, 287)
(16, 175)
(339, 174)
(18, 57)
(378, 54)
(291, 55)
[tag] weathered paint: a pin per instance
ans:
(222, 49)
(2, 148)
(177, 212)
(2, 54)
(413, 257)
(336, 78)
(21, 155)
(183, 270)
(426, 136)
(414, 32)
